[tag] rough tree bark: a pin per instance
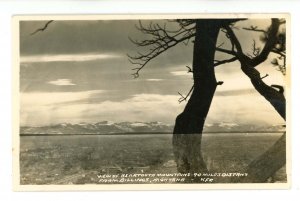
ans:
(189, 124)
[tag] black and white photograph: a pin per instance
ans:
(162, 101)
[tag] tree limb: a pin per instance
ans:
(254, 28)
(162, 40)
(189, 69)
(218, 63)
(184, 98)
(236, 43)
(43, 28)
(230, 52)
(270, 43)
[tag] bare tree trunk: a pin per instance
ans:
(189, 124)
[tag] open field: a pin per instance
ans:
(82, 159)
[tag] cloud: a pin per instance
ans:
(51, 108)
(45, 99)
(180, 73)
(238, 92)
(67, 57)
(154, 80)
(246, 109)
(62, 82)
(47, 108)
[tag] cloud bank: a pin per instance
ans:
(62, 82)
(51, 108)
(67, 57)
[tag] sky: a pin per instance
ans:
(78, 71)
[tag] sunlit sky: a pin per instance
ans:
(78, 71)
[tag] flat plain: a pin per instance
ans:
(81, 159)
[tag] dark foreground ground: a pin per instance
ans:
(132, 158)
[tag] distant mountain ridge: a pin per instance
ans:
(107, 127)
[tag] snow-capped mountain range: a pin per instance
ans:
(107, 127)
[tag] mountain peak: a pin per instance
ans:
(109, 127)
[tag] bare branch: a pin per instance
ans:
(43, 28)
(255, 50)
(264, 76)
(234, 40)
(272, 95)
(231, 52)
(280, 53)
(275, 97)
(218, 63)
(281, 66)
(225, 51)
(282, 21)
(189, 69)
(220, 45)
(161, 40)
(184, 98)
(255, 28)
(270, 43)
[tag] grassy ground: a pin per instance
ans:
(83, 159)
